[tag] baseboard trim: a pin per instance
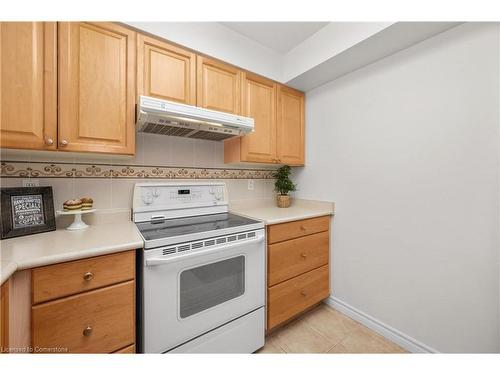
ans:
(392, 334)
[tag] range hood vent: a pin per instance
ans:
(156, 116)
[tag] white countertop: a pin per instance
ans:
(63, 245)
(267, 211)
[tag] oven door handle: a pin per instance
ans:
(184, 256)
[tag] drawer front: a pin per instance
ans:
(99, 321)
(291, 297)
(127, 350)
(64, 279)
(299, 228)
(294, 257)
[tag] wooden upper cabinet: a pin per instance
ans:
(290, 129)
(218, 85)
(165, 71)
(28, 86)
(258, 100)
(97, 70)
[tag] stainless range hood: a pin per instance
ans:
(163, 117)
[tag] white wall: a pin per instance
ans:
(408, 149)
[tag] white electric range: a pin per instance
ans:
(201, 284)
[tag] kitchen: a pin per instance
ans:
(209, 187)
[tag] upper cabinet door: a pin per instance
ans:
(165, 71)
(218, 86)
(28, 86)
(97, 72)
(259, 102)
(290, 134)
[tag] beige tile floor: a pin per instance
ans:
(325, 330)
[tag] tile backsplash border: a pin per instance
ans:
(40, 169)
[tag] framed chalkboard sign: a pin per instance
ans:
(26, 210)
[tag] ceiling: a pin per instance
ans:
(279, 36)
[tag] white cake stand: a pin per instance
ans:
(78, 223)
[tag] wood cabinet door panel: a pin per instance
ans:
(81, 275)
(96, 87)
(99, 321)
(28, 87)
(165, 71)
(294, 257)
(295, 229)
(218, 86)
(259, 102)
(4, 316)
(291, 297)
(127, 350)
(290, 133)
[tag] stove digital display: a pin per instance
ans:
(183, 191)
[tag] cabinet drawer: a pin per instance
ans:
(299, 228)
(127, 350)
(291, 297)
(291, 258)
(68, 278)
(99, 321)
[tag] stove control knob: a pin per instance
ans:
(147, 197)
(156, 193)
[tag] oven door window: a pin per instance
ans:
(210, 285)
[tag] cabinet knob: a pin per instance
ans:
(87, 331)
(304, 293)
(64, 142)
(302, 227)
(303, 255)
(49, 141)
(88, 276)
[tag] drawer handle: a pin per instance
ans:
(87, 331)
(304, 293)
(303, 255)
(88, 276)
(302, 227)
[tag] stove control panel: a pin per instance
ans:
(151, 197)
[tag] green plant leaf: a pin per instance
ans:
(283, 185)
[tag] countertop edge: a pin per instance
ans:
(10, 267)
(287, 219)
(7, 270)
(83, 254)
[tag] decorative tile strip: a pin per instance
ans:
(96, 170)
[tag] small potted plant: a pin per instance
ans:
(283, 185)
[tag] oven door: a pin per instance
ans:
(187, 295)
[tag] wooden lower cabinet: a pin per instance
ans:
(4, 317)
(127, 350)
(298, 269)
(290, 258)
(296, 295)
(101, 320)
(81, 275)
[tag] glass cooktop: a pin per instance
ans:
(189, 225)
